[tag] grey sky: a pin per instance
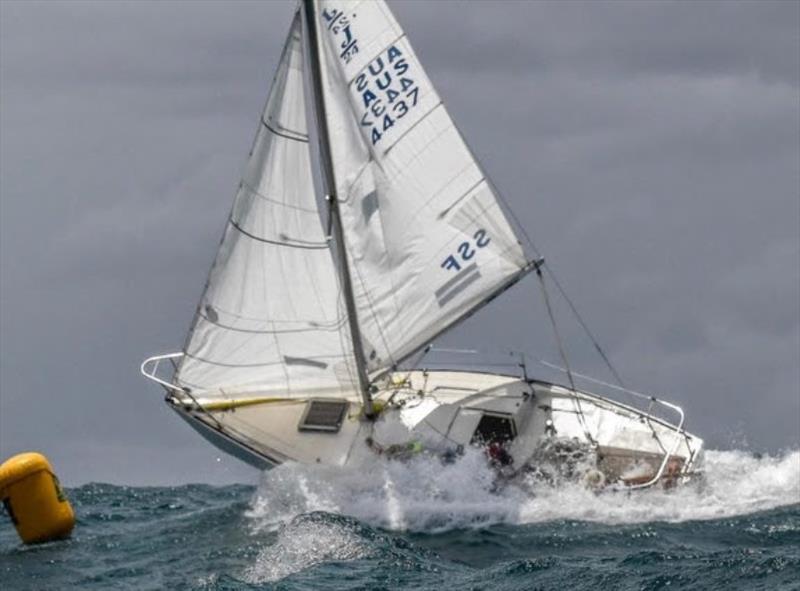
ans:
(652, 150)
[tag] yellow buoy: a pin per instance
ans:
(34, 499)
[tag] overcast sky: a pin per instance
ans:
(652, 150)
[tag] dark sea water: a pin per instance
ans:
(426, 526)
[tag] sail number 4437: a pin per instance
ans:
(387, 92)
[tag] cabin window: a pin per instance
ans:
(494, 428)
(323, 415)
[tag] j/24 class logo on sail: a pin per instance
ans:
(466, 251)
(339, 26)
(387, 92)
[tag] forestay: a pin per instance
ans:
(270, 319)
(426, 239)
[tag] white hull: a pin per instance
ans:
(441, 412)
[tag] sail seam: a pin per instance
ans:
(302, 138)
(322, 324)
(463, 196)
(257, 193)
(283, 365)
(445, 185)
(309, 246)
(244, 365)
(441, 215)
(413, 126)
(333, 328)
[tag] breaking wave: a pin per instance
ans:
(426, 496)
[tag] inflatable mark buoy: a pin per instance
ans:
(33, 498)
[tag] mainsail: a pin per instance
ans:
(426, 239)
(271, 319)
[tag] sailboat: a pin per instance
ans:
(305, 344)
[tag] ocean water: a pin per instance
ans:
(423, 525)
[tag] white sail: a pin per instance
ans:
(270, 318)
(426, 238)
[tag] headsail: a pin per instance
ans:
(426, 238)
(270, 319)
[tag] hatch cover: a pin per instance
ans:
(323, 415)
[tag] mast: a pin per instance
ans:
(309, 12)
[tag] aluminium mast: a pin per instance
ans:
(310, 17)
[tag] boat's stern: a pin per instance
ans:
(633, 447)
(540, 427)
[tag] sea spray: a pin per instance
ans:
(424, 494)
(428, 496)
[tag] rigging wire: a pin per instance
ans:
(585, 327)
(575, 399)
(557, 283)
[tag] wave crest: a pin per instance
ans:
(425, 495)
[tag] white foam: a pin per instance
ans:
(302, 543)
(736, 483)
(424, 495)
